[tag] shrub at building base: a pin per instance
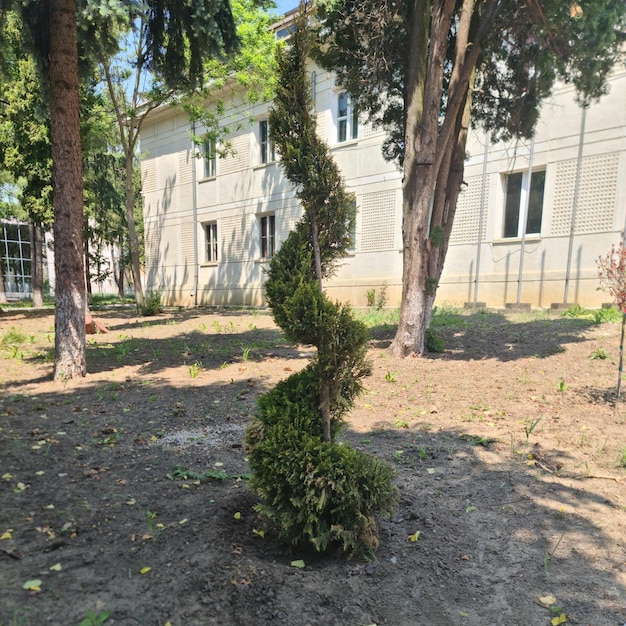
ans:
(317, 492)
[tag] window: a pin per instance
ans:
(268, 236)
(210, 231)
(517, 191)
(209, 153)
(267, 147)
(347, 119)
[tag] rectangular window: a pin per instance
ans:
(210, 231)
(268, 236)
(347, 119)
(517, 192)
(209, 154)
(266, 145)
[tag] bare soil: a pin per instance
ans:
(125, 492)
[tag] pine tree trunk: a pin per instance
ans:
(3, 292)
(36, 264)
(133, 240)
(69, 358)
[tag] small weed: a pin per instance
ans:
(94, 619)
(371, 297)
(477, 440)
(224, 365)
(183, 473)
(400, 424)
(381, 301)
(195, 369)
(390, 377)
(151, 304)
(621, 462)
(433, 343)
(13, 337)
(599, 354)
(150, 516)
(528, 429)
(604, 315)
(562, 386)
(245, 353)
(548, 555)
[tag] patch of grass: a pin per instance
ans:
(195, 369)
(599, 354)
(447, 316)
(94, 619)
(621, 461)
(604, 315)
(379, 317)
(477, 440)
(182, 473)
(433, 343)
(390, 377)
(13, 337)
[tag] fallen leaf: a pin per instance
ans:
(32, 585)
(547, 600)
(39, 473)
(183, 521)
(258, 533)
(465, 558)
(469, 509)
(415, 536)
(57, 567)
(237, 515)
(7, 476)
(6, 534)
(430, 470)
(299, 563)
(131, 502)
(559, 619)
(144, 570)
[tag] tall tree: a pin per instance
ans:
(181, 35)
(424, 69)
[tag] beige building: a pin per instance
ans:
(213, 221)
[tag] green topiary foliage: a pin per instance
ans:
(316, 492)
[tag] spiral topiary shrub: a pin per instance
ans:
(315, 491)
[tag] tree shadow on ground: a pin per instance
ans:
(496, 335)
(88, 484)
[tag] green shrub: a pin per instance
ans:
(433, 342)
(315, 492)
(151, 304)
(604, 315)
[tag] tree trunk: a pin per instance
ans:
(118, 274)
(3, 292)
(424, 80)
(70, 357)
(36, 264)
(133, 241)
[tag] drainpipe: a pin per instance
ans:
(525, 219)
(572, 227)
(482, 215)
(194, 207)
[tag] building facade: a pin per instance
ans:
(213, 218)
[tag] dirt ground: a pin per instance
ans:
(124, 494)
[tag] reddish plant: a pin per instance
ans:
(612, 274)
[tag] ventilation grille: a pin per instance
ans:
(186, 243)
(151, 243)
(184, 167)
(597, 193)
(367, 130)
(378, 211)
(148, 175)
(238, 157)
(235, 238)
(467, 216)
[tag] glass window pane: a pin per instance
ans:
(512, 204)
(535, 202)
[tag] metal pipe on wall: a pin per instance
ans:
(524, 219)
(570, 248)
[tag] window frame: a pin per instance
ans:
(267, 153)
(347, 119)
(211, 242)
(514, 205)
(267, 235)
(209, 157)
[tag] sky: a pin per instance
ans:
(282, 6)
